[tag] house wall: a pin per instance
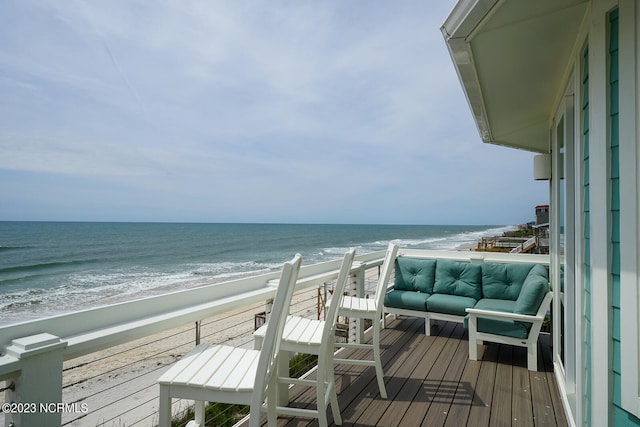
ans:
(620, 416)
(608, 163)
(585, 321)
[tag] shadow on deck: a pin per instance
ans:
(431, 381)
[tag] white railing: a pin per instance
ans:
(36, 355)
(33, 353)
(473, 256)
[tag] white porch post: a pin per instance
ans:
(39, 385)
(601, 379)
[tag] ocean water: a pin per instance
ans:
(49, 268)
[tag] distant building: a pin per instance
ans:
(542, 214)
(541, 229)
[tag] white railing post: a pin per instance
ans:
(267, 309)
(198, 330)
(37, 397)
(356, 289)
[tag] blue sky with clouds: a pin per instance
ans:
(244, 111)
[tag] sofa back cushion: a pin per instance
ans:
(504, 281)
(458, 278)
(414, 274)
(534, 289)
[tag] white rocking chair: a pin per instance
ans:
(221, 373)
(310, 336)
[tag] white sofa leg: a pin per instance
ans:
(532, 356)
(473, 350)
(427, 326)
(473, 341)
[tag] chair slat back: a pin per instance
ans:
(267, 363)
(385, 274)
(338, 294)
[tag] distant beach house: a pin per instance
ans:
(560, 78)
(542, 215)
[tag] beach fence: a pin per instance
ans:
(106, 361)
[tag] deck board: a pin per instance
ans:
(522, 409)
(446, 393)
(398, 371)
(368, 404)
(436, 388)
(465, 396)
(431, 381)
(480, 412)
(502, 387)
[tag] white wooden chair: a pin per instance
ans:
(311, 336)
(221, 373)
(370, 308)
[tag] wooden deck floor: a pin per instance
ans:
(430, 381)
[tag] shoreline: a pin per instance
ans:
(36, 311)
(18, 316)
(51, 269)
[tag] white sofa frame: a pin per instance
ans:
(427, 315)
(531, 342)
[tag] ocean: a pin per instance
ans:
(49, 268)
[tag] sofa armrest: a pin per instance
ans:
(504, 315)
(542, 311)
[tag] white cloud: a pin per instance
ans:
(356, 101)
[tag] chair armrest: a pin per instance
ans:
(504, 315)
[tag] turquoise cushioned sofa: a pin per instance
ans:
(497, 302)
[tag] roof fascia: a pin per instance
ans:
(465, 19)
(466, 16)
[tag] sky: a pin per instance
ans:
(243, 111)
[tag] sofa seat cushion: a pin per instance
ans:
(413, 274)
(408, 300)
(502, 327)
(492, 305)
(496, 305)
(458, 278)
(450, 304)
(504, 281)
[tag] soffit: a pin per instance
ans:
(512, 62)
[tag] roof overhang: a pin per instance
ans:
(512, 58)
